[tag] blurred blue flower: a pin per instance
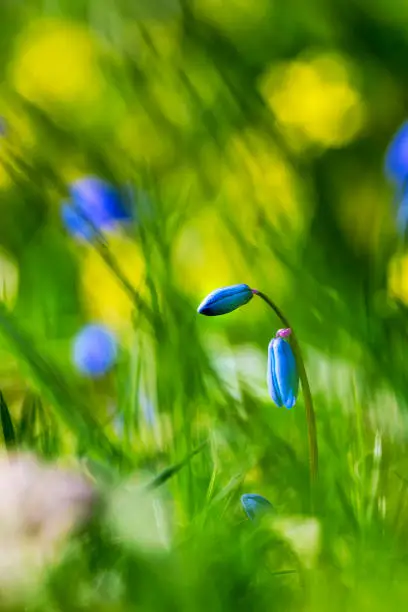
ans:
(255, 505)
(75, 224)
(402, 216)
(282, 375)
(224, 300)
(96, 200)
(396, 158)
(94, 350)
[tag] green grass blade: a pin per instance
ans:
(7, 424)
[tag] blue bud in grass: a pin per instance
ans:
(96, 200)
(94, 350)
(396, 158)
(224, 300)
(282, 375)
(255, 506)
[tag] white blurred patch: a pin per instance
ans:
(40, 505)
(139, 518)
(303, 535)
(240, 366)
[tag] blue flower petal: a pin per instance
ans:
(255, 506)
(402, 216)
(224, 300)
(396, 158)
(273, 387)
(94, 350)
(97, 201)
(101, 201)
(282, 375)
(74, 223)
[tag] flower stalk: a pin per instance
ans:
(310, 414)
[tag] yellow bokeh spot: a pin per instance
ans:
(398, 278)
(253, 476)
(315, 100)
(259, 182)
(56, 61)
(205, 256)
(106, 299)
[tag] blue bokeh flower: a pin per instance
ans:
(75, 223)
(100, 202)
(396, 158)
(255, 506)
(402, 216)
(224, 300)
(282, 374)
(94, 350)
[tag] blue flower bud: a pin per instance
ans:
(96, 200)
(224, 300)
(396, 158)
(255, 506)
(94, 350)
(282, 376)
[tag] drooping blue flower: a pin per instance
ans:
(224, 300)
(255, 506)
(94, 350)
(396, 158)
(94, 199)
(282, 375)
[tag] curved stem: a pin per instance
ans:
(310, 414)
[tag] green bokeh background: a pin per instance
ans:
(253, 134)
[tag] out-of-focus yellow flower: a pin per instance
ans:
(205, 256)
(259, 182)
(315, 100)
(106, 300)
(254, 476)
(57, 61)
(398, 278)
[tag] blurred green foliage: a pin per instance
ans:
(253, 134)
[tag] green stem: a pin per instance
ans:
(310, 414)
